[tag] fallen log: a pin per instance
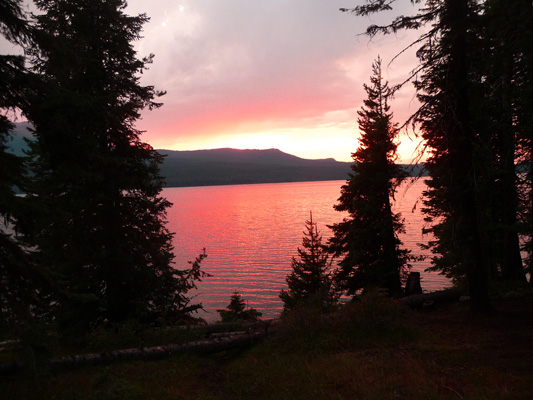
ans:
(432, 298)
(197, 347)
(220, 327)
(235, 341)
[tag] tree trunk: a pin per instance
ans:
(511, 267)
(464, 167)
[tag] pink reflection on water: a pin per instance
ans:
(252, 231)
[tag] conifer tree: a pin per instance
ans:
(237, 310)
(101, 231)
(310, 282)
(367, 240)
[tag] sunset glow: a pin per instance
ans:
(234, 79)
(273, 74)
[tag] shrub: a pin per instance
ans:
(236, 310)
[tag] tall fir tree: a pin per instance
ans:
(310, 282)
(367, 240)
(101, 231)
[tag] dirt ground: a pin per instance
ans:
(463, 343)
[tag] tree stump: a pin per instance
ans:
(412, 286)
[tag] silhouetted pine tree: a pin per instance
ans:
(237, 310)
(101, 234)
(367, 240)
(310, 282)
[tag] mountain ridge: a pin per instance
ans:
(227, 166)
(233, 166)
(240, 155)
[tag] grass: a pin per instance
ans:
(371, 350)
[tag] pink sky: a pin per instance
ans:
(284, 74)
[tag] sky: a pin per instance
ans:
(284, 74)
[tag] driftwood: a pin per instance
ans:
(429, 299)
(229, 342)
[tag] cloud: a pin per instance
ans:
(286, 68)
(245, 50)
(229, 64)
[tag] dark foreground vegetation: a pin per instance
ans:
(374, 349)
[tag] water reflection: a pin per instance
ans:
(252, 231)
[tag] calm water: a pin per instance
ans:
(250, 233)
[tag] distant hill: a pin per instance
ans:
(230, 166)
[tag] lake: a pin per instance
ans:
(250, 233)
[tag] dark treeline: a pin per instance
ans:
(473, 81)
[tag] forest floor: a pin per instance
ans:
(374, 351)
